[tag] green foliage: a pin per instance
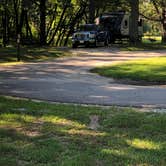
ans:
(153, 11)
(63, 16)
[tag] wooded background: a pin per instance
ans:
(52, 22)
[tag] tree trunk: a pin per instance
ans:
(59, 24)
(16, 17)
(91, 11)
(61, 30)
(134, 35)
(79, 15)
(5, 24)
(42, 22)
(164, 25)
(28, 28)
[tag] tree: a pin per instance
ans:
(160, 7)
(91, 11)
(47, 21)
(134, 35)
(155, 11)
(42, 9)
(5, 22)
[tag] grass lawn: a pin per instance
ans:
(8, 55)
(141, 47)
(152, 39)
(150, 70)
(41, 134)
(148, 43)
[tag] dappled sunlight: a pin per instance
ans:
(23, 124)
(32, 126)
(108, 52)
(21, 130)
(18, 117)
(62, 121)
(8, 64)
(143, 144)
(30, 54)
(113, 151)
(30, 132)
(68, 80)
(98, 97)
(119, 87)
(144, 72)
(67, 71)
(86, 133)
(42, 132)
(5, 123)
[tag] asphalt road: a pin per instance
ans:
(68, 80)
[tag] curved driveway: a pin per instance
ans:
(68, 80)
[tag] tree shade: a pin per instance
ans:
(51, 22)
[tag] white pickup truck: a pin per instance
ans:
(89, 35)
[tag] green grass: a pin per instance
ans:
(146, 44)
(41, 134)
(30, 54)
(155, 39)
(151, 70)
(141, 47)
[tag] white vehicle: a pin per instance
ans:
(89, 35)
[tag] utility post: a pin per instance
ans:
(18, 47)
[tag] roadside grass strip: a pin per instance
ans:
(147, 43)
(8, 55)
(151, 70)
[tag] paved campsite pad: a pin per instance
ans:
(68, 80)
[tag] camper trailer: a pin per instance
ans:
(117, 24)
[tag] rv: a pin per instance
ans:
(117, 24)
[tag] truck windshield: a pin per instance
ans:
(88, 28)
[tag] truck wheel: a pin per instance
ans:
(95, 44)
(106, 42)
(74, 46)
(113, 40)
(86, 45)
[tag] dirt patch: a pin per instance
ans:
(94, 122)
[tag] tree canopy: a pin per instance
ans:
(51, 22)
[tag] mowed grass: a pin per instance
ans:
(151, 70)
(42, 134)
(8, 55)
(147, 43)
(142, 47)
(152, 39)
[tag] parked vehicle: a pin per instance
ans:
(117, 24)
(89, 35)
